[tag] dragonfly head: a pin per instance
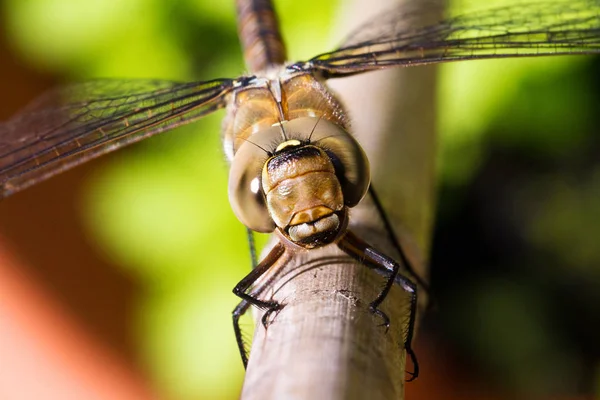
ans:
(308, 175)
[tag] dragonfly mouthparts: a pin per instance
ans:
(318, 232)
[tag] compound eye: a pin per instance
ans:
(349, 159)
(245, 188)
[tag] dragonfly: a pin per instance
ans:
(285, 134)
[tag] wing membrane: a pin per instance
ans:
(75, 123)
(525, 29)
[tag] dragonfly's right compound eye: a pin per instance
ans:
(246, 194)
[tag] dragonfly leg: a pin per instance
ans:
(363, 252)
(253, 259)
(249, 299)
(393, 238)
(252, 247)
(237, 313)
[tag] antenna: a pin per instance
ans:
(314, 127)
(283, 132)
(257, 145)
(275, 91)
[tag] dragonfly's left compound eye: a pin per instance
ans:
(348, 157)
(245, 188)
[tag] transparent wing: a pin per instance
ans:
(399, 37)
(75, 123)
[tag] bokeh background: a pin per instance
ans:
(117, 275)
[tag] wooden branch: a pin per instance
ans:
(325, 344)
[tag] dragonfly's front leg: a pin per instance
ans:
(237, 314)
(394, 240)
(364, 252)
(248, 299)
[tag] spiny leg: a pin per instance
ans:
(396, 243)
(243, 306)
(363, 252)
(251, 299)
(393, 238)
(411, 329)
(237, 313)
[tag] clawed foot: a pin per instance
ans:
(386, 320)
(273, 307)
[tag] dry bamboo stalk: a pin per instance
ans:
(325, 344)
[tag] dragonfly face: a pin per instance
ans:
(304, 185)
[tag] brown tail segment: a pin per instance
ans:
(259, 34)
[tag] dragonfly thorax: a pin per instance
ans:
(299, 178)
